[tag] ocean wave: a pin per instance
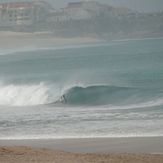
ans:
(90, 95)
(111, 95)
(19, 50)
(100, 95)
(12, 51)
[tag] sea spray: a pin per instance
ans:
(26, 95)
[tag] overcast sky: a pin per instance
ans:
(140, 5)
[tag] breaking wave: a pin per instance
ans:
(101, 95)
(25, 95)
(112, 95)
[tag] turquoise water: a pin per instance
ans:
(110, 89)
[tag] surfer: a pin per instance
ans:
(63, 99)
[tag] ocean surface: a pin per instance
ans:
(112, 89)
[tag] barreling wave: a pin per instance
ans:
(41, 94)
(91, 95)
(112, 95)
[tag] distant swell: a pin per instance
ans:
(41, 94)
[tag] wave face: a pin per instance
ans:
(92, 95)
(105, 95)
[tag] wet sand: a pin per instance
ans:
(152, 145)
(104, 150)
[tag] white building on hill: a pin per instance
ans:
(22, 13)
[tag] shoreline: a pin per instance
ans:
(10, 39)
(148, 145)
(25, 40)
(104, 150)
(35, 155)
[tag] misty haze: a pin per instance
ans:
(81, 19)
(80, 77)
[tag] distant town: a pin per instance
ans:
(83, 18)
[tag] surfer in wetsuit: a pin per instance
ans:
(63, 99)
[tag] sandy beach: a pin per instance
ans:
(25, 40)
(29, 155)
(99, 150)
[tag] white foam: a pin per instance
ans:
(12, 51)
(139, 39)
(152, 103)
(27, 95)
(79, 136)
(32, 94)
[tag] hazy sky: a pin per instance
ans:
(141, 5)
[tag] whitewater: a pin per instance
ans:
(109, 89)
